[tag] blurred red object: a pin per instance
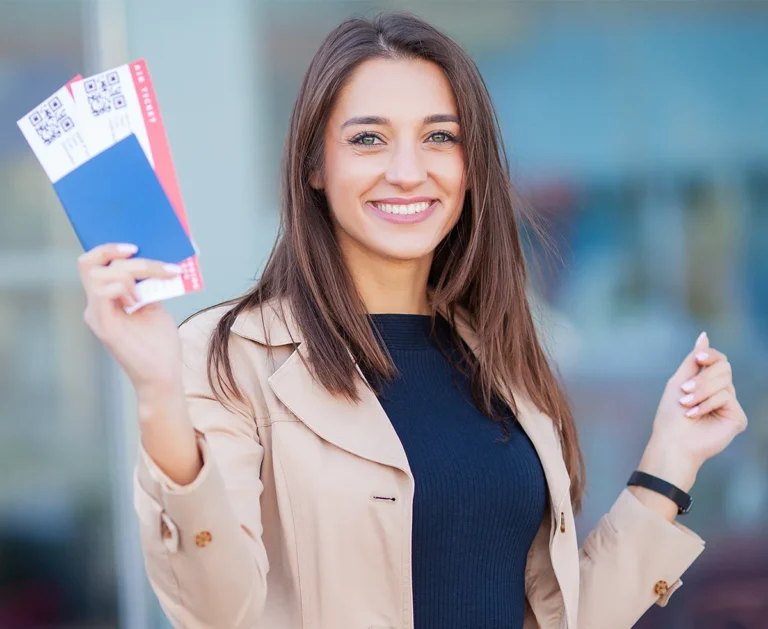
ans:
(30, 606)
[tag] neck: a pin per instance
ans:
(387, 285)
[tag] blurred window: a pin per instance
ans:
(57, 557)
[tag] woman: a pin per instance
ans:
(372, 437)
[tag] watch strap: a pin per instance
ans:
(683, 500)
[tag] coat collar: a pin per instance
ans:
(363, 428)
(272, 325)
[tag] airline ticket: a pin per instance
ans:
(88, 116)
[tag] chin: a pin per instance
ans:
(404, 252)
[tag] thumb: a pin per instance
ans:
(690, 368)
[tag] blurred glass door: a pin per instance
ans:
(57, 542)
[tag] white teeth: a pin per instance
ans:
(411, 208)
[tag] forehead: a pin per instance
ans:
(402, 89)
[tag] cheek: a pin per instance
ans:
(349, 177)
(449, 174)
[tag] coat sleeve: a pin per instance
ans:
(202, 544)
(632, 559)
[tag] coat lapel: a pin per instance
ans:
(362, 428)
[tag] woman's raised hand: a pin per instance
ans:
(145, 343)
(147, 346)
(697, 418)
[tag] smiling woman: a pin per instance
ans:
(373, 436)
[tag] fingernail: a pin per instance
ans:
(692, 412)
(172, 268)
(127, 248)
(702, 356)
(702, 336)
(687, 399)
(688, 386)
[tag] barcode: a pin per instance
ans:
(104, 93)
(50, 120)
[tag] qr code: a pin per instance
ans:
(104, 93)
(50, 120)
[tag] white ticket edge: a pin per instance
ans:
(156, 289)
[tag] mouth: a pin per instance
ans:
(399, 210)
(403, 208)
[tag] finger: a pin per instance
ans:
(107, 296)
(113, 291)
(707, 383)
(103, 255)
(689, 368)
(709, 356)
(707, 373)
(129, 301)
(136, 269)
(710, 405)
(102, 300)
(142, 269)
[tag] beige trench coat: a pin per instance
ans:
(301, 516)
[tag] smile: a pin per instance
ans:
(398, 208)
(414, 212)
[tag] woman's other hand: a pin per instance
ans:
(697, 418)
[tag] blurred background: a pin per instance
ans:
(638, 130)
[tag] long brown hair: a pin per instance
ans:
(479, 266)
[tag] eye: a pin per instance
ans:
(365, 139)
(442, 137)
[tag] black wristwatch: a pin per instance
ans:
(683, 501)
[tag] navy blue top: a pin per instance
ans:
(478, 500)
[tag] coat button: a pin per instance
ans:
(661, 588)
(562, 522)
(203, 538)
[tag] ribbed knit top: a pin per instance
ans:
(478, 500)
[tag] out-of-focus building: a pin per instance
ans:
(638, 129)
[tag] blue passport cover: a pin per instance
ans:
(115, 197)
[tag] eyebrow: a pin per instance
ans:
(379, 120)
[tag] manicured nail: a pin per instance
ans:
(687, 399)
(702, 336)
(172, 268)
(692, 412)
(688, 386)
(127, 248)
(702, 356)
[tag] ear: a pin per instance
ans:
(316, 181)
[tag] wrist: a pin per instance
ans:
(669, 466)
(662, 505)
(157, 400)
(167, 434)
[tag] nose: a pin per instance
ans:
(406, 169)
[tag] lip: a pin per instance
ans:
(403, 200)
(403, 218)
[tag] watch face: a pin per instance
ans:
(687, 507)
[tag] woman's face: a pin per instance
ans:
(394, 165)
